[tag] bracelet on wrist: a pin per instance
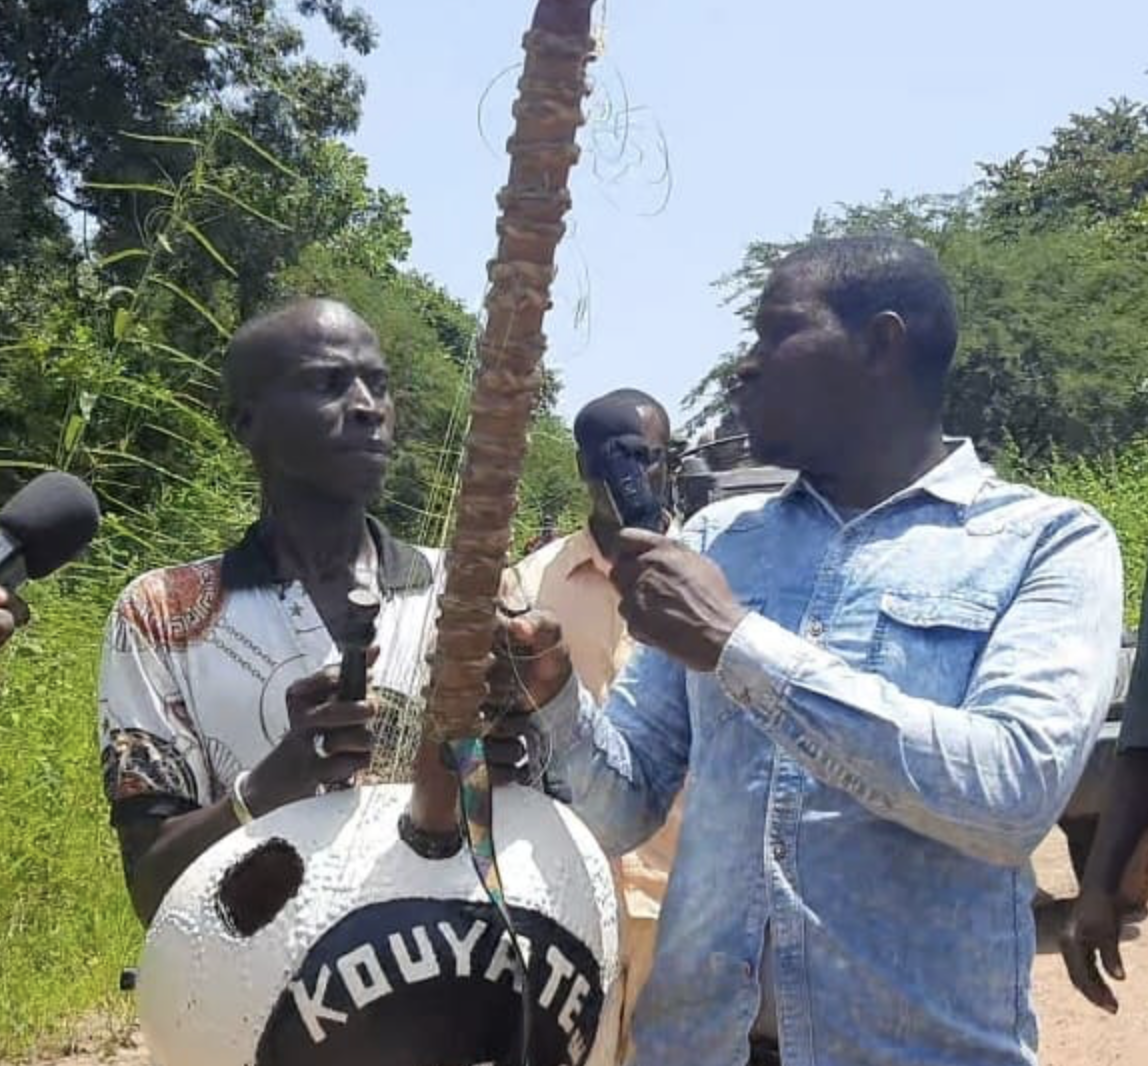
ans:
(239, 806)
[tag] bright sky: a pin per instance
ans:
(769, 111)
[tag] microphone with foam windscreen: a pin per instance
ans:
(627, 481)
(45, 525)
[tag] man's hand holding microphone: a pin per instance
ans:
(672, 598)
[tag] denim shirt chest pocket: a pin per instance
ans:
(928, 643)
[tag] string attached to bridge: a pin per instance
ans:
(466, 758)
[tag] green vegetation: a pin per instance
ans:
(66, 929)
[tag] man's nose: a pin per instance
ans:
(364, 405)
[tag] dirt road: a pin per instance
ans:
(1073, 1032)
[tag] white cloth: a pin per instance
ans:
(198, 659)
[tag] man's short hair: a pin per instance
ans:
(860, 277)
(243, 374)
(614, 414)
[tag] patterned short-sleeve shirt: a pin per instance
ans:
(198, 658)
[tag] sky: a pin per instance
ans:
(767, 111)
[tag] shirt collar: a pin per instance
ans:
(402, 567)
(581, 549)
(957, 479)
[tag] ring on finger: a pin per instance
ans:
(319, 743)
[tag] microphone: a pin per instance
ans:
(357, 636)
(627, 483)
(358, 633)
(45, 525)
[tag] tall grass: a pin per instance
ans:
(66, 929)
(66, 926)
(118, 401)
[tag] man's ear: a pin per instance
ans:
(239, 419)
(887, 342)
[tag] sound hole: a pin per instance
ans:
(258, 887)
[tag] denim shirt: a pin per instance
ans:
(888, 736)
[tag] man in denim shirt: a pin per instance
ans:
(884, 684)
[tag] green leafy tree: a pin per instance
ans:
(75, 75)
(1095, 169)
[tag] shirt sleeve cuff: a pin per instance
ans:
(759, 662)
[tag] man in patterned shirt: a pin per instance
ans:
(218, 691)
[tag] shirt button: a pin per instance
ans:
(779, 851)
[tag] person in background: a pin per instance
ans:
(547, 535)
(570, 577)
(13, 614)
(1115, 879)
(883, 684)
(695, 485)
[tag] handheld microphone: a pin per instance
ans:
(357, 636)
(45, 525)
(627, 483)
(358, 633)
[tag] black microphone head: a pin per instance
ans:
(54, 517)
